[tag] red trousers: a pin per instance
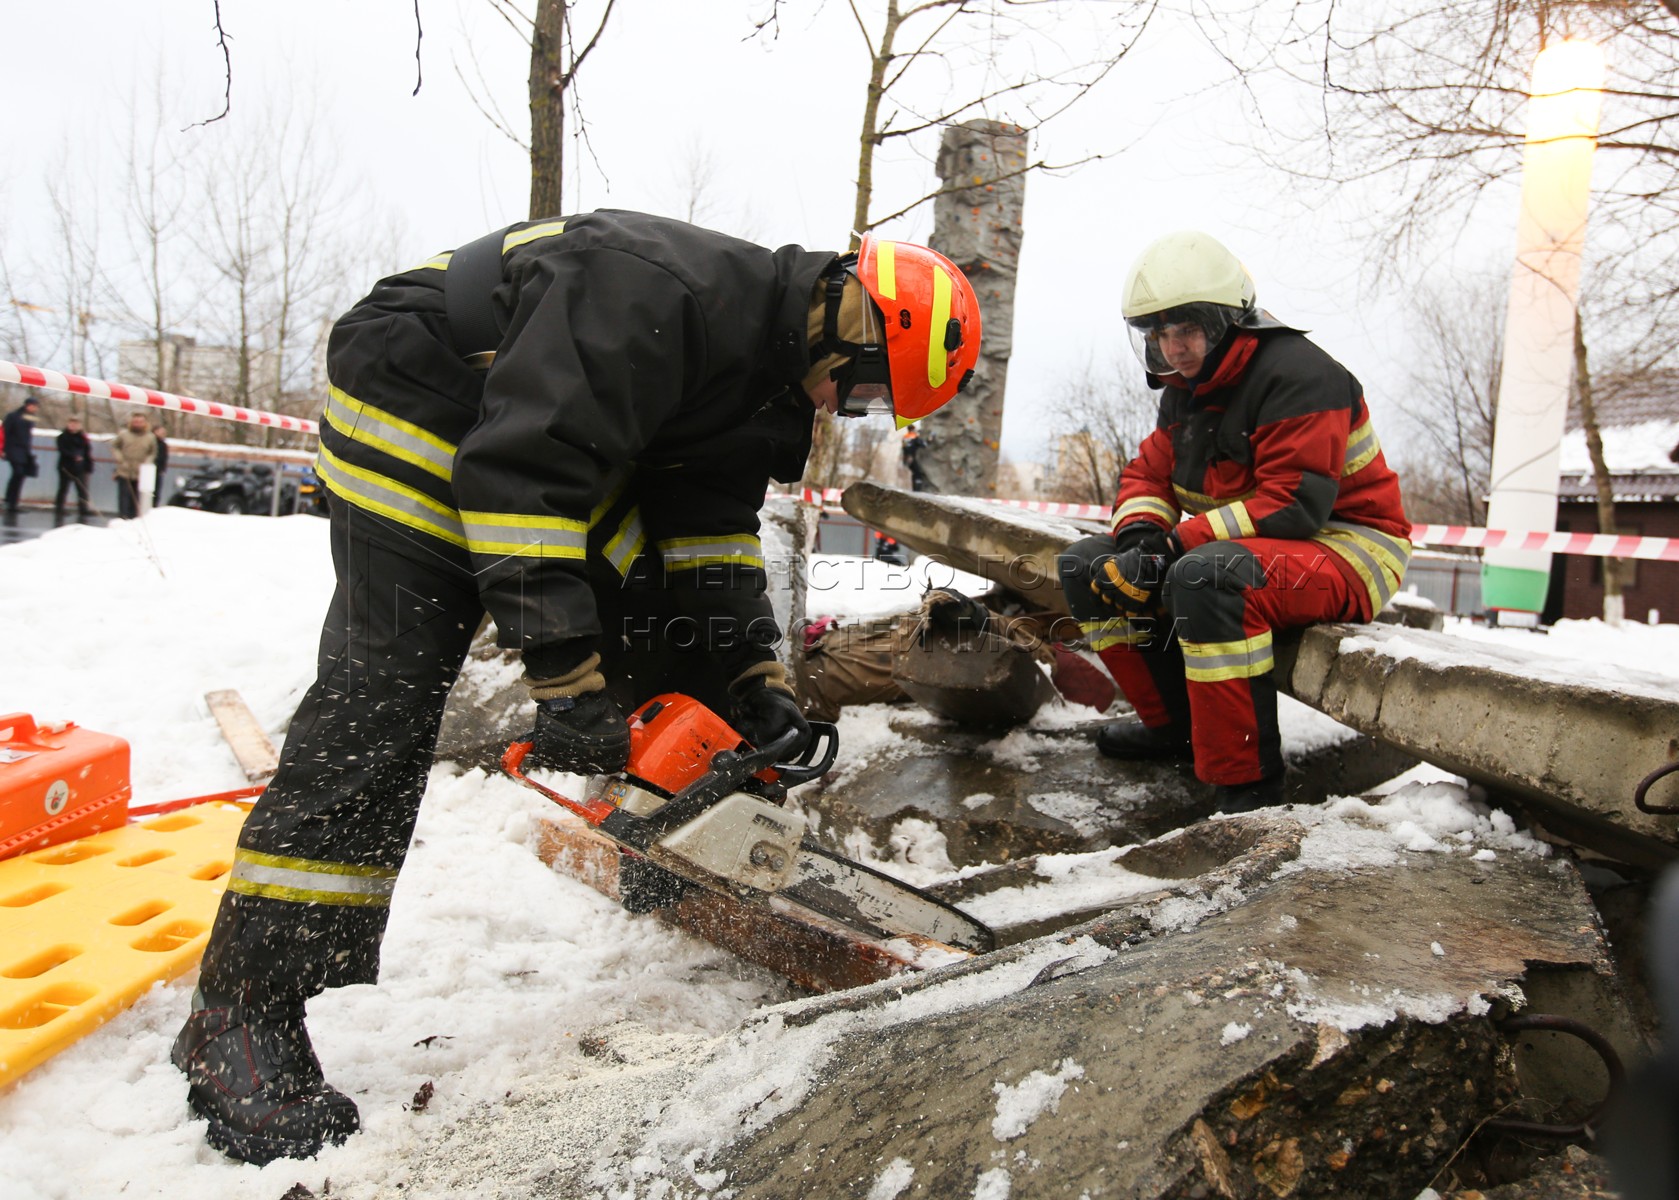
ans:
(1205, 655)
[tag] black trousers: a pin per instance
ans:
(353, 770)
(128, 498)
(14, 485)
(67, 480)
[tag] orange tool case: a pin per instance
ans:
(58, 782)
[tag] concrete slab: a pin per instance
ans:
(1009, 546)
(1306, 1040)
(1568, 741)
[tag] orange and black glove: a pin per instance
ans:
(1130, 579)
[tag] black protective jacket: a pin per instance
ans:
(643, 393)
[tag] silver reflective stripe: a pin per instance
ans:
(1114, 632)
(307, 881)
(400, 439)
(628, 542)
(524, 536)
(388, 498)
(1380, 560)
(687, 554)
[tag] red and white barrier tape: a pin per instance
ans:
(36, 377)
(1598, 545)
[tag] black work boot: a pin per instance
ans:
(1130, 738)
(253, 1075)
(1245, 797)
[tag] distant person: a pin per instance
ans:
(1260, 502)
(19, 433)
(161, 461)
(75, 466)
(133, 448)
(887, 550)
(910, 453)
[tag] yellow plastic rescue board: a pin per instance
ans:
(87, 927)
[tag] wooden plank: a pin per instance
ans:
(817, 954)
(256, 754)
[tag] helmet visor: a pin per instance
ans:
(1178, 340)
(865, 379)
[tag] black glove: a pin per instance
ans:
(763, 713)
(585, 734)
(1128, 581)
(1147, 536)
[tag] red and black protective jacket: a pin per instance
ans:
(642, 394)
(1277, 444)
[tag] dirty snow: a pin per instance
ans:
(1233, 1033)
(892, 1180)
(1020, 1104)
(494, 967)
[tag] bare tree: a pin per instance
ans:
(156, 207)
(556, 55)
(935, 63)
(1430, 98)
(1098, 420)
(1445, 412)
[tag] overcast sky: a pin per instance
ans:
(676, 80)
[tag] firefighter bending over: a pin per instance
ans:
(571, 424)
(1260, 502)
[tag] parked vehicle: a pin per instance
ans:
(247, 488)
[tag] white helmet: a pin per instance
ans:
(1185, 278)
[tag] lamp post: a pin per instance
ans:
(1566, 95)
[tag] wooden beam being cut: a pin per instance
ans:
(250, 745)
(816, 954)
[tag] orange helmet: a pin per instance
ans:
(921, 333)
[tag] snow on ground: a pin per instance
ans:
(494, 966)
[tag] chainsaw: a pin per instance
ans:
(699, 801)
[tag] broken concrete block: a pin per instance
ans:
(1009, 546)
(1322, 1033)
(1572, 750)
(1046, 790)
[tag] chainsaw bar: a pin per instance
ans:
(865, 899)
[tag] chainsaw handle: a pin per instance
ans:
(511, 761)
(823, 735)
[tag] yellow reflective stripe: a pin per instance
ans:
(1231, 521)
(937, 356)
(1123, 584)
(629, 541)
(524, 535)
(1214, 662)
(304, 880)
(1377, 559)
(1195, 502)
(438, 262)
(534, 233)
(886, 268)
(687, 554)
(1116, 632)
(388, 498)
(1138, 506)
(614, 489)
(383, 431)
(1359, 455)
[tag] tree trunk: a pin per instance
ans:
(1614, 604)
(547, 103)
(870, 136)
